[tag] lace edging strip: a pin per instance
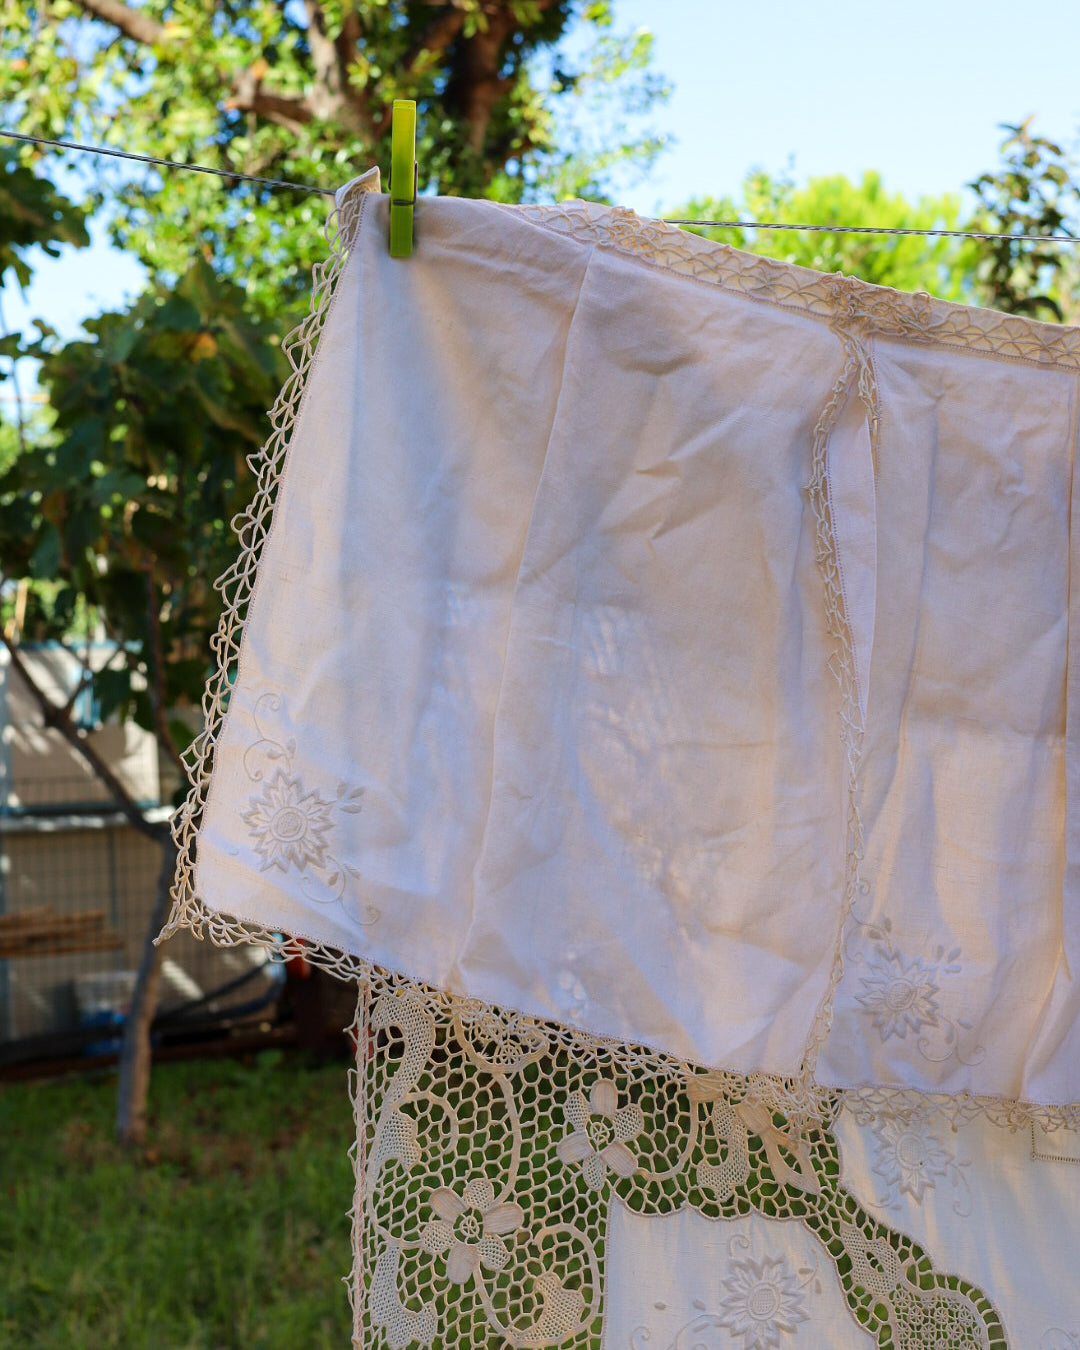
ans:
(252, 528)
(800, 1098)
(797, 1099)
(880, 310)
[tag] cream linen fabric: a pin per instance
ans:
(997, 1207)
(683, 1282)
(1002, 1207)
(542, 584)
(599, 556)
(960, 959)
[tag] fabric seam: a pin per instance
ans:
(802, 1097)
(654, 244)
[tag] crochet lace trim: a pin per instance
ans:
(877, 311)
(854, 310)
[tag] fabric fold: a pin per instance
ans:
(665, 643)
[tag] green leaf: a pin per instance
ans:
(179, 314)
(83, 444)
(45, 559)
(112, 690)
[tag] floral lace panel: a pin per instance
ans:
(490, 1148)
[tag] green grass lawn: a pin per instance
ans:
(228, 1229)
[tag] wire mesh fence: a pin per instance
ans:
(98, 866)
(77, 887)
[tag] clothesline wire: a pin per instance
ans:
(668, 220)
(164, 163)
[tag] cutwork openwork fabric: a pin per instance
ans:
(522, 1185)
(648, 672)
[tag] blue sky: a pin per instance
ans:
(914, 90)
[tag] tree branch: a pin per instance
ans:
(130, 660)
(329, 90)
(249, 96)
(131, 22)
(285, 110)
(86, 677)
(157, 675)
(357, 101)
(165, 739)
(476, 85)
(479, 84)
(135, 1058)
(437, 36)
(331, 95)
(56, 719)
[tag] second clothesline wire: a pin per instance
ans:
(668, 220)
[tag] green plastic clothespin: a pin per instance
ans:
(403, 177)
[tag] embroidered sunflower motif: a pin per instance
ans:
(908, 1157)
(290, 827)
(900, 995)
(762, 1300)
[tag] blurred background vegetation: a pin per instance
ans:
(123, 460)
(227, 1229)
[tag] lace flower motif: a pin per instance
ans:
(290, 827)
(468, 1228)
(499, 1042)
(762, 1300)
(899, 994)
(601, 1132)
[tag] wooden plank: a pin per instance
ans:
(78, 919)
(21, 916)
(79, 922)
(62, 945)
(41, 932)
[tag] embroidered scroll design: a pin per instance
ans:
(481, 1227)
(291, 826)
(763, 1303)
(1057, 1338)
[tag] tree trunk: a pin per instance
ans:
(135, 1056)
